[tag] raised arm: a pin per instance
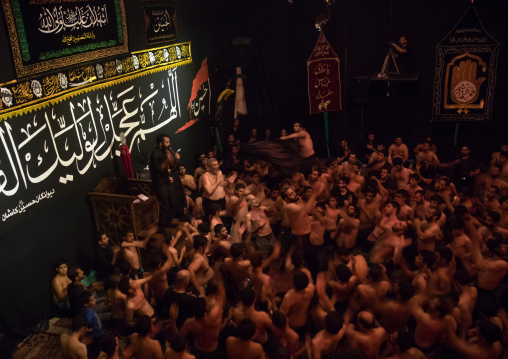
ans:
(295, 135)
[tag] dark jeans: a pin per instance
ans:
(167, 203)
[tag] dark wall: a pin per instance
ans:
(283, 36)
(63, 226)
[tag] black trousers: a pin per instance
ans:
(165, 193)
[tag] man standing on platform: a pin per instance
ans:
(162, 160)
(305, 146)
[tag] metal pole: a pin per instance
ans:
(325, 116)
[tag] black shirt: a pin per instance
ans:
(186, 305)
(349, 196)
(73, 293)
(156, 174)
(102, 263)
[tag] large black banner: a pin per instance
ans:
(51, 152)
(160, 21)
(48, 34)
(466, 67)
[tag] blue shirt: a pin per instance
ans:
(95, 322)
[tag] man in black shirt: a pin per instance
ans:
(465, 168)
(105, 257)
(162, 160)
(186, 302)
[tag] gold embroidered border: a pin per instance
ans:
(34, 104)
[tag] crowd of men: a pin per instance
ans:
(380, 253)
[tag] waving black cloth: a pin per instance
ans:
(284, 154)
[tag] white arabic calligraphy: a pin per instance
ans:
(72, 138)
(22, 206)
(80, 17)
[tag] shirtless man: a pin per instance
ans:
(400, 174)
(271, 208)
(462, 247)
(427, 155)
(342, 284)
(117, 302)
(59, 285)
(369, 212)
(213, 185)
(298, 181)
(237, 267)
(491, 226)
(490, 201)
(256, 187)
(503, 223)
(300, 223)
(237, 206)
(72, 345)
(367, 294)
(468, 295)
(143, 346)
(130, 250)
(384, 227)
(188, 182)
(317, 225)
(420, 205)
(390, 244)
(206, 326)
(405, 347)
(245, 309)
(135, 302)
(367, 336)
(203, 163)
(492, 178)
(428, 232)
(178, 349)
(373, 156)
(398, 149)
(463, 199)
(243, 346)
(199, 269)
(296, 303)
(283, 334)
(258, 224)
(325, 342)
(332, 217)
(348, 228)
(493, 267)
(412, 188)
(305, 145)
(486, 345)
(356, 179)
(440, 282)
(432, 325)
(406, 212)
(261, 282)
(159, 282)
(221, 242)
(395, 312)
(442, 188)
(503, 162)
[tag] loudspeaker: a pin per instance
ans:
(361, 90)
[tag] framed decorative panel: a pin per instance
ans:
(50, 34)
